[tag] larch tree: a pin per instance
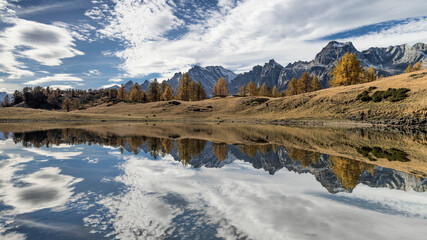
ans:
(370, 74)
(275, 93)
(153, 91)
(76, 104)
(304, 83)
(184, 90)
(409, 69)
(121, 93)
(292, 87)
(200, 92)
(315, 84)
(242, 90)
(252, 89)
(135, 94)
(347, 71)
(168, 93)
(220, 88)
(417, 66)
(67, 105)
(264, 90)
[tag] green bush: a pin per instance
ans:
(378, 96)
(364, 96)
(392, 95)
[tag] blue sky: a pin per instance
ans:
(85, 44)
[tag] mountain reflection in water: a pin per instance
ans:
(335, 173)
(174, 181)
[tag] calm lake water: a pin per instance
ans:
(171, 181)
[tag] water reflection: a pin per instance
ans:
(335, 173)
(211, 182)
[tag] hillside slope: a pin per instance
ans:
(329, 104)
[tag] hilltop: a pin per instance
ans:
(327, 106)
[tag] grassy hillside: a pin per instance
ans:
(329, 104)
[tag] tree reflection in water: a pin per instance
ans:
(334, 172)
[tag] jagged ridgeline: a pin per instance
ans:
(386, 61)
(372, 160)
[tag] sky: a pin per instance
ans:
(84, 44)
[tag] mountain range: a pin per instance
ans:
(386, 61)
(2, 95)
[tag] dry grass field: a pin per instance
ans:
(338, 104)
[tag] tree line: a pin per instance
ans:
(347, 71)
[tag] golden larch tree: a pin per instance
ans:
(252, 89)
(315, 84)
(347, 71)
(292, 87)
(275, 93)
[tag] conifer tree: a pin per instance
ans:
(275, 93)
(135, 94)
(200, 92)
(370, 74)
(76, 104)
(264, 91)
(315, 84)
(184, 90)
(304, 83)
(252, 89)
(417, 66)
(409, 69)
(347, 71)
(67, 105)
(121, 94)
(168, 93)
(220, 88)
(242, 91)
(292, 87)
(153, 91)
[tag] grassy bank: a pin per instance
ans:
(336, 104)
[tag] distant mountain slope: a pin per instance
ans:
(2, 95)
(387, 62)
(208, 76)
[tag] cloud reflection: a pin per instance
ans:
(240, 201)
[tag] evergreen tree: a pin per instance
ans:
(76, 104)
(153, 91)
(135, 94)
(220, 88)
(315, 84)
(304, 83)
(275, 93)
(264, 91)
(417, 66)
(292, 87)
(121, 94)
(200, 92)
(252, 89)
(184, 90)
(370, 74)
(168, 93)
(242, 91)
(67, 105)
(347, 72)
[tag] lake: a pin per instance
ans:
(210, 181)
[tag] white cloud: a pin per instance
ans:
(108, 85)
(63, 77)
(57, 155)
(44, 43)
(115, 80)
(62, 87)
(1, 80)
(93, 72)
(237, 35)
(238, 199)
